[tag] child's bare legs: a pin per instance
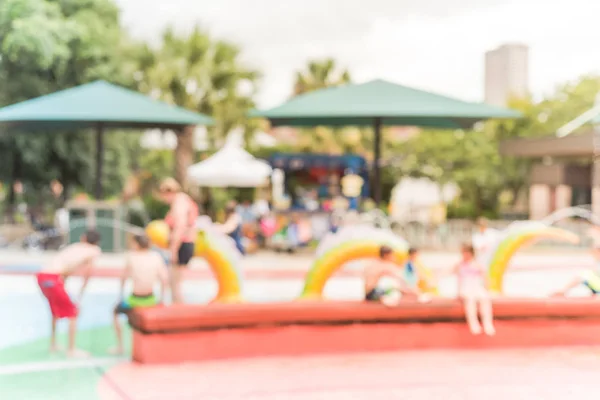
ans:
(470, 305)
(53, 346)
(413, 293)
(391, 299)
(72, 333)
(72, 350)
(573, 284)
(487, 316)
(406, 292)
(176, 272)
(119, 332)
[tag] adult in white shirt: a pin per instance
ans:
(483, 240)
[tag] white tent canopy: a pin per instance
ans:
(423, 192)
(417, 199)
(231, 166)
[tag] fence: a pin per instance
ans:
(453, 233)
(447, 236)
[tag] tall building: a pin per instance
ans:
(506, 73)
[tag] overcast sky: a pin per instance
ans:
(430, 44)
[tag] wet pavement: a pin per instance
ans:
(546, 374)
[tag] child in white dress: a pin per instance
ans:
(472, 290)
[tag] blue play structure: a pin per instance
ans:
(295, 162)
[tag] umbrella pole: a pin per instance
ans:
(376, 158)
(99, 160)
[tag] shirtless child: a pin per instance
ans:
(145, 268)
(76, 257)
(385, 266)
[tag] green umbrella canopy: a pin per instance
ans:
(98, 103)
(378, 103)
(393, 104)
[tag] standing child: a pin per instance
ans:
(145, 268)
(76, 257)
(473, 292)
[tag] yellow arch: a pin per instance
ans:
(352, 250)
(508, 246)
(222, 264)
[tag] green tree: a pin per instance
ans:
(49, 45)
(455, 156)
(569, 101)
(200, 73)
(471, 159)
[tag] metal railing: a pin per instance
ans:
(446, 236)
(453, 233)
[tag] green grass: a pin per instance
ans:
(68, 384)
(62, 384)
(97, 341)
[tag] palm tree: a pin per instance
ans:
(202, 74)
(320, 74)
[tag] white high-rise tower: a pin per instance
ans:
(506, 73)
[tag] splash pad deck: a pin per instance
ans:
(195, 333)
(517, 374)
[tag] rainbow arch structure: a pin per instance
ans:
(217, 249)
(349, 244)
(514, 238)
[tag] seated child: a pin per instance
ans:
(417, 276)
(385, 266)
(472, 290)
(76, 257)
(588, 278)
(411, 273)
(145, 268)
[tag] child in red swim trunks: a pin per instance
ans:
(77, 257)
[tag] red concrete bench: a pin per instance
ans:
(193, 332)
